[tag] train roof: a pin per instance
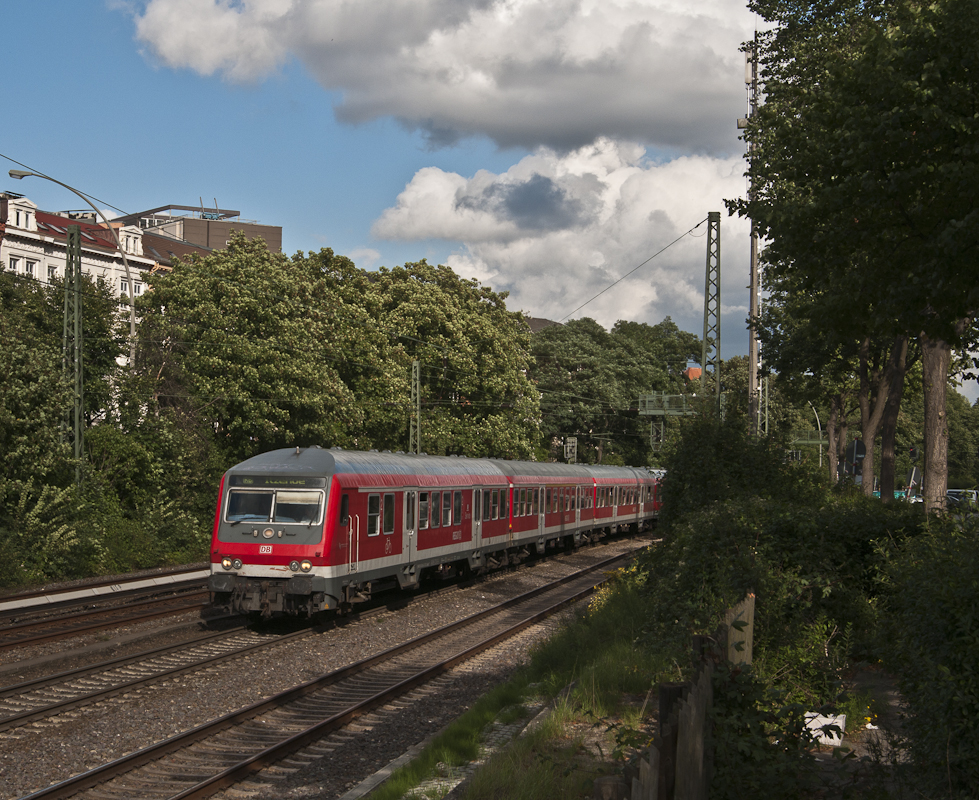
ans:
(318, 462)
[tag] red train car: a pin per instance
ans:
(305, 530)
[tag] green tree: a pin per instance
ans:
(591, 380)
(34, 394)
(476, 398)
(864, 171)
(246, 341)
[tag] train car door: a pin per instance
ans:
(410, 527)
(477, 519)
(539, 496)
(353, 534)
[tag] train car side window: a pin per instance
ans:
(477, 505)
(504, 504)
(435, 509)
(456, 507)
(487, 497)
(495, 504)
(373, 514)
(422, 510)
(446, 509)
(388, 514)
(344, 511)
(536, 508)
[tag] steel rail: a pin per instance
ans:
(42, 712)
(199, 600)
(230, 775)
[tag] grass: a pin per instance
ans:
(600, 682)
(458, 744)
(543, 764)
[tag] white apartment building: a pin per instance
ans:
(33, 244)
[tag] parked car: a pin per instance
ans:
(962, 499)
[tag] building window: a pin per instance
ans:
(124, 287)
(14, 264)
(52, 272)
(18, 220)
(137, 288)
(30, 269)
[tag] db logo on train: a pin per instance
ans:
(265, 548)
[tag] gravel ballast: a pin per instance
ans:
(58, 747)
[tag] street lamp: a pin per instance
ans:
(19, 174)
(820, 427)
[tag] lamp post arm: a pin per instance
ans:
(20, 174)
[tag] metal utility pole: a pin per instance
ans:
(72, 340)
(712, 306)
(754, 405)
(415, 424)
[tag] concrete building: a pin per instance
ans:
(210, 228)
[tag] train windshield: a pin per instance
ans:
(270, 505)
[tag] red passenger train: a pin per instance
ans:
(303, 530)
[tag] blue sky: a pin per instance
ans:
(544, 147)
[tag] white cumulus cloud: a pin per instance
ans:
(556, 230)
(525, 73)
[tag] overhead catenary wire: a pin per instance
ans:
(634, 269)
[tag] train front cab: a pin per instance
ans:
(268, 542)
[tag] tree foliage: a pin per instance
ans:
(590, 380)
(863, 169)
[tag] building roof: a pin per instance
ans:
(538, 324)
(56, 227)
(163, 249)
(197, 211)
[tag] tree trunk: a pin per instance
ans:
(888, 426)
(935, 357)
(875, 384)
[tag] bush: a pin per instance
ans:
(931, 642)
(760, 745)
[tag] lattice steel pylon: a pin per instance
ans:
(712, 308)
(415, 423)
(72, 341)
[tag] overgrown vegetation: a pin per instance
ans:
(840, 580)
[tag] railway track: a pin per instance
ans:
(122, 612)
(38, 617)
(218, 754)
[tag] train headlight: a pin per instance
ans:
(236, 563)
(226, 562)
(306, 566)
(268, 533)
(294, 566)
